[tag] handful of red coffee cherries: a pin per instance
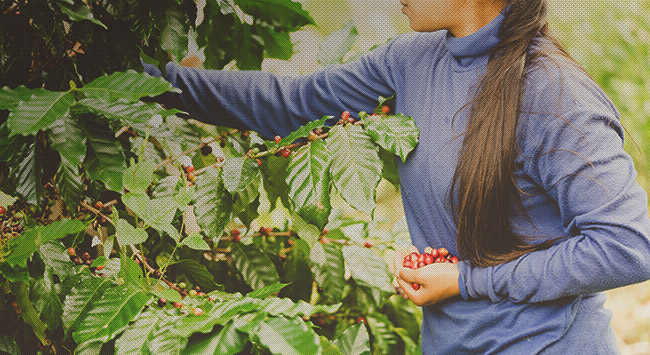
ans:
(436, 256)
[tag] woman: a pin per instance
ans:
(546, 210)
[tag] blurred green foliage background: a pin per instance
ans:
(610, 39)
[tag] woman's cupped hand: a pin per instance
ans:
(437, 282)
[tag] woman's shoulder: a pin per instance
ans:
(558, 84)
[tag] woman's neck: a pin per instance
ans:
(474, 15)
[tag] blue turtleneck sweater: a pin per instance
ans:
(578, 182)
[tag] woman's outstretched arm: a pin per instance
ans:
(273, 105)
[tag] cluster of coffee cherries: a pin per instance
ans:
(195, 292)
(80, 257)
(286, 152)
(101, 220)
(436, 256)
(11, 224)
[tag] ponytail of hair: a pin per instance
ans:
(484, 174)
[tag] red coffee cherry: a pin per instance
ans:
(421, 264)
(99, 205)
(434, 253)
(408, 264)
(177, 305)
(454, 260)
(368, 245)
(277, 139)
(190, 168)
(286, 153)
(345, 115)
(415, 286)
(443, 252)
(162, 302)
(259, 162)
(100, 268)
(385, 109)
(198, 311)
(428, 259)
(439, 260)
(2, 210)
(71, 251)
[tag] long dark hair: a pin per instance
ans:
(484, 175)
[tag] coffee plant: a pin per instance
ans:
(128, 229)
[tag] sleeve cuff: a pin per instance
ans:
(461, 287)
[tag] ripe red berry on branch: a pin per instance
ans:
(345, 115)
(99, 205)
(368, 245)
(277, 139)
(286, 153)
(385, 109)
(71, 251)
(189, 169)
(2, 210)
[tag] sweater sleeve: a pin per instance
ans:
(581, 164)
(273, 105)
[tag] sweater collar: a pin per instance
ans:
(477, 43)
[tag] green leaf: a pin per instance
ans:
(307, 232)
(138, 177)
(10, 98)
(389, 169)
(226, 341)
(69, 139)
(308, 180)
(29, 315)
(52, 308)
(368, 268)
(39, 112)
(11, 147)
(276, 44)
(298, 272)
(130, 271)
(136, 336)
(247, 202)
(9, 345)
(109, 315)
(14, 274)
(238, 173)
(126, 234)
(71, 188)
(246, 48)
(157, 213)
(266, 291)
(173, 24)
(356, 168)
(354, 340)
(337, 45)
(78, 302)
(105, 159)
(395, 133)
(22, 247)
(382, 331)
(195, 241)
(213, 204)
(163, 340)
(286, 307)
(27, 173)
(274, 172)
(329, 270)
(78, 12)
(128, 85)
(288, 336)
(256, 268)
(287, 14)
(329, 348)
(197, 273)
(55, 256)
(131, 113)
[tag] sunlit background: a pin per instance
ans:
(611, 39)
